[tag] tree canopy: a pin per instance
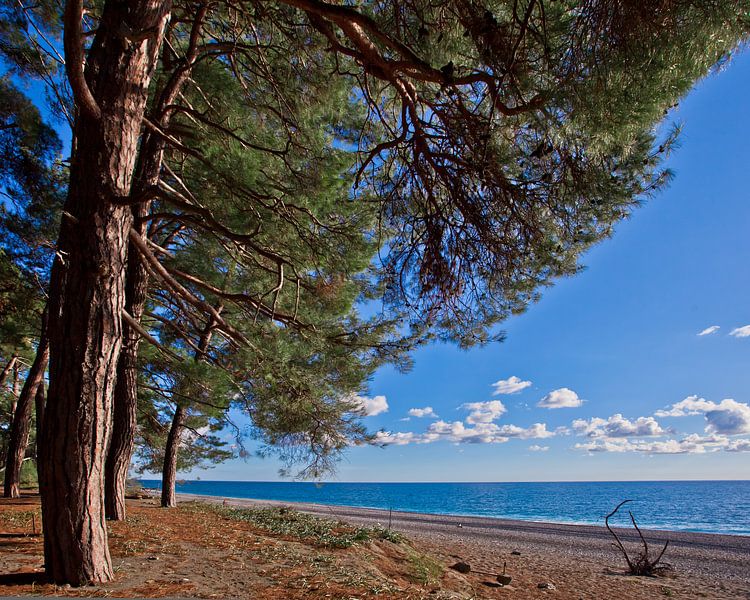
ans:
(280, 196)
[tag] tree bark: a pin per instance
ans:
(126, 393)
(14, 391)
(3, 378)
(7, 369)
(126, 396)
(21, 426)
(87, 285)
(10, 367)
(136, 290)
(39, 402)
(169, 473)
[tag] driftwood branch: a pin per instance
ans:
(618, 543)
(642, 564)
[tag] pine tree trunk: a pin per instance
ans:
(21, 426)
(126, 396)
(7, 369)
(14, 391)
(87, 291)
(126, 388)
(169, 473)
(136, 291)
(39, 402)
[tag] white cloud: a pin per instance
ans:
(370, 406)
(535, 431)
(389, 438)
(587, 428)
(458, 433)
(618, 434)
(482, 433)
(422, 412)
(484, 412)
(738, 446)
(512, 385)
(741, 332)
(710, 330)
(618, 426)
(538, 448)
(561, 398)
(727, 417)
(692, 444)
(692, 405)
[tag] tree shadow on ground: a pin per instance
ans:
(23, 578)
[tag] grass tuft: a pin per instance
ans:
(21, 519)
(291, 523)
(426, 569)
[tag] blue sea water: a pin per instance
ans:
(706, 506)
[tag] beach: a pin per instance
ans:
(215, 547)
(579, 560)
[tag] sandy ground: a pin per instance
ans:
(579, 560)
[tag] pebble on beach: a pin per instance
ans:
(462, 567)
(545, 585)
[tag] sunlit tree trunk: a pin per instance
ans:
(169, 473)
(7, 369)
(15, 391)
(87, 288)
(126, 392)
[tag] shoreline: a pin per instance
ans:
(334, 509)
(712, 555)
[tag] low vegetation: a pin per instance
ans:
(201, 550)
(427, 570)
(23, 520)
(290, 523)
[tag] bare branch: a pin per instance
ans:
(75, 60)
(147, 336)
(181, 290)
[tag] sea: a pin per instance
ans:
(701, 506)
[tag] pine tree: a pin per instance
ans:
(304, 342)
(501, 140)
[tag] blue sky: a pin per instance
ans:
(618, 344)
